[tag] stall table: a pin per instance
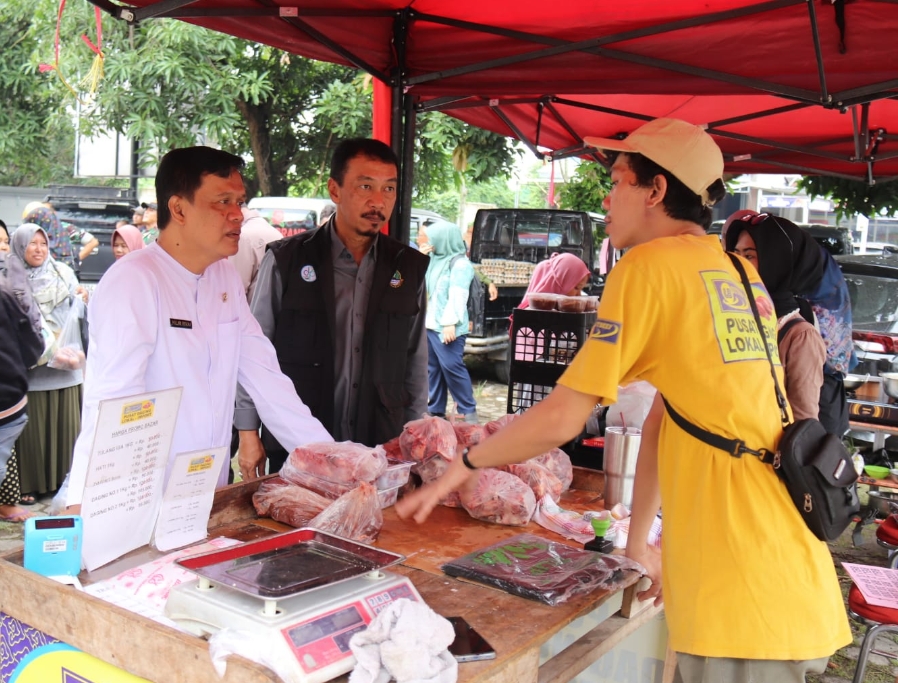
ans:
(515, 627)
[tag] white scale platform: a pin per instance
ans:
(253, 587)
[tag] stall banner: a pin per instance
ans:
(31, 656)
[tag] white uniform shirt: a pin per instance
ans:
(155, 325)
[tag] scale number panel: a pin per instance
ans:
(324, 640)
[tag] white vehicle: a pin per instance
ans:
(290, 215)
(874, 247)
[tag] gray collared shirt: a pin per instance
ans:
(352, 289)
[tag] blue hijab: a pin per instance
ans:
(447, 243)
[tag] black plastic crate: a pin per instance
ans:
(543, 344)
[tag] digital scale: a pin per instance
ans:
(306, 591)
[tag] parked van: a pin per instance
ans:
(290, 215)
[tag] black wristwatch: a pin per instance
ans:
(465, 461)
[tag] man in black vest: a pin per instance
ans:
(344, 306)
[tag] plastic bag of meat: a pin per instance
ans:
(540, 480)
(501, 498)
(559, 464)
(393, 450)
(425, 438)
(496, 425)
(287, 503)
(338, 466)
(356, 515)
(468, 434)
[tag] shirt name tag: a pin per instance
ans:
(186, 324)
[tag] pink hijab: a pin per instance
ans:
(557, 275)
(131, 235)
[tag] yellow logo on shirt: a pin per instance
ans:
(141, 410)
(734, 323)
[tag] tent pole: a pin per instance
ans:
(408, 170)
(399, 221)
(825, 97)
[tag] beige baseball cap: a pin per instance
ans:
(683, 149)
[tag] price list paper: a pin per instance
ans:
(188, 497)
(878, 585)
(125, 474)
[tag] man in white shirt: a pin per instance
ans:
(176, 315)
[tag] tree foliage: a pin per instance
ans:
(853, 196)
(169, 83)
(587, 189)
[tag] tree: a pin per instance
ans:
(587, 189)
(853, 196)
(38, 140)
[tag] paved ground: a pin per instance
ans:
(491, 403)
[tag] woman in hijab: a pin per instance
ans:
(788, 260)
(448, 279)
(561, 274)
(126, 239)
(819, 282)
(58, 240)
(54, 395)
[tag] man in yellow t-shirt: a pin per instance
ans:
(750, 593)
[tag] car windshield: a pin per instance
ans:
(289, 221)
(874, 302)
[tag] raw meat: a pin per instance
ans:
(468, 434)
(393, 450)
(496, 425)
(356, 515)
(425, 438)
(289, 504)
(559, 464)
(344, 464)
(501, 498)
(540, 480)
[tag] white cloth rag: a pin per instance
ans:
(407, 641)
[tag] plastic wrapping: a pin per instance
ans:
(558, 463)
(468, 434)
(395, 475)
(540, 480)
(501, 498)
(69, 351)
(573, 525)
(426, 438)
(543, 570)
(354, 515)
(333, 468)
(288, 503)
(495, 425)
(633, 404)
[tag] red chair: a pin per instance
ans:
(887, 537)
(879, 621)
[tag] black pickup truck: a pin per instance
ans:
(96, 210)
(505, 245)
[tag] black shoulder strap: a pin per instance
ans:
(454, 260)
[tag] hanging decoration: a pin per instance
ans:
(92, 80)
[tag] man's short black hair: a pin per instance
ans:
(348, 150)
(679, 201)
(181, 173)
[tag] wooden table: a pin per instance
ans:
(516, 627)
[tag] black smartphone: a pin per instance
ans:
(469, 646)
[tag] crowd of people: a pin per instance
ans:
(344, 333)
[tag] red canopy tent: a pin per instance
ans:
(801, 85)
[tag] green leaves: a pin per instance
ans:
(854, 196)
(587, 189)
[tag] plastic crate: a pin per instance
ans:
(543, 344)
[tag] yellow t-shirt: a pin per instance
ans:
(743, 576)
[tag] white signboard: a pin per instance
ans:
(125, 473)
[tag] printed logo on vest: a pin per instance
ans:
(308, 274)
(396, 281)
(606, 331)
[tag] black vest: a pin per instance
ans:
(306, 327)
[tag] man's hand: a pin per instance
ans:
(80, 291)
(494, 291)
(650, 558)
(448, 334)
(251, 455)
